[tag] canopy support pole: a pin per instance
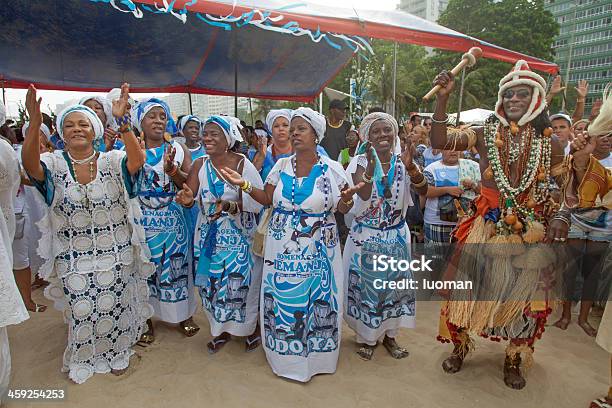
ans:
(321, 103)
(190, 104)
(251, 110)
(460, 97)
(3, 94)
(394, 77)
(235, 89)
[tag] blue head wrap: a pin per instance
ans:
(230, 126)
(143, 107)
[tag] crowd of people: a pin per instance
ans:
(275, 226)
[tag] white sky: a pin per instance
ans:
(53, 98)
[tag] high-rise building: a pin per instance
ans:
(584, 45)
(427, 9)
(206, 105)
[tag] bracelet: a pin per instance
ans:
(124, 120)
(348, 203)
(440, 122)
(126, 128)
(247, 187)
(420, 183)
(173, 171)
(366, 178)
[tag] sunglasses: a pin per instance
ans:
(521, 93)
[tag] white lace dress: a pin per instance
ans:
(12, 309)
(96, 261)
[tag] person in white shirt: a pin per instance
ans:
(562, 128)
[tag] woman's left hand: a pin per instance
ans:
(169, 154)
(406, 156)
(120, 106)
(347, 194)
(232, 176)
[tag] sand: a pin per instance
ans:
(569, 371)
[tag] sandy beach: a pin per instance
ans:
(569, 371)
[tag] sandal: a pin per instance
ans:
(602, 402)
(252, 342)
(147, 337)
(37, 308)
(217, 343)
(394, 349)
(366, 352)
(188, 327)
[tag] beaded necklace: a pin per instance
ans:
(380, 200)
(533, 154)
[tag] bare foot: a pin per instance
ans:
(119, 372)
(588, 329)
(562, 323)
(512, 373)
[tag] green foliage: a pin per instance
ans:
(519, 25)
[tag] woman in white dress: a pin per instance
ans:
(228, 273)
(302, 280)
(12, 308)
(379, 228)
(167, 227)
(95, 256)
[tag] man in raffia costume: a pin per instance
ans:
(514, 216)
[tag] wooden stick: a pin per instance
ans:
(465, 61)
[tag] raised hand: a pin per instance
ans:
(596, 108)
(406, 156)
(120, 106)
(582, 89)
(232, 176)
(185, 196)
(556, 87)
(347, 194)
(446, 80)
(109, 138)
(262, 144)
(169, 154)
(33, 107)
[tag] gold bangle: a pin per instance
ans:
(348, 203)
(366, 178)
(245, 186)
(420, 183)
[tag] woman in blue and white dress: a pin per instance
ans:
(168, 231)
(379, 228)
(190, 127)
(96, 258)
(228, 273)
(302, 280)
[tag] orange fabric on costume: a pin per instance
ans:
(487, 200)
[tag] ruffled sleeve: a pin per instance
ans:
(338, 179)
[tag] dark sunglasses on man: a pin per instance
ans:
(521, 93)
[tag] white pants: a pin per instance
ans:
(5, 364)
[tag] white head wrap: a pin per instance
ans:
(231, 128)
(275, 114)
(115, 94)
(316, 120)
(90, 114)
(521, 74)
(183, 122)
(368, 121)
(106, 105)
(43, 128)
